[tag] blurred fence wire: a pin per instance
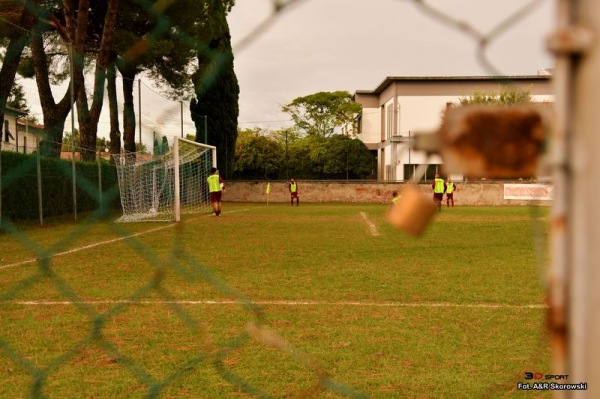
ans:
(161, 116)
(482, 39)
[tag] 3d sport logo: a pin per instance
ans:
(541, 376)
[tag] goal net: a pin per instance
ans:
(161, 188)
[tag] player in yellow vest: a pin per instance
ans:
(293, 187)
(395, 197)
(439, 188)
(450, 189)
(216, 188)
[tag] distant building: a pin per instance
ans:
(401, 106)
(18, 134)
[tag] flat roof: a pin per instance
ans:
(13, 111)
(390, 79)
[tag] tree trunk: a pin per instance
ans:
(88, 118)
(128, 110)
(54, 114)
(12, 59)
(115, 133)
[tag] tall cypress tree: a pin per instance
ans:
(217, 92)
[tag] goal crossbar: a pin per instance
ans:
(161, 188)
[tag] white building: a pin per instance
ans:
(401, 106)
(18, 134)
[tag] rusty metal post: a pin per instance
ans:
(574, 295)
(558, 279)
(584, 211)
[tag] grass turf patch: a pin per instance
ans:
(457, 313)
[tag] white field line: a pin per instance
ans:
(372, 227)
(290, 303)
(97, 244)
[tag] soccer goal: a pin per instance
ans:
(161, 188)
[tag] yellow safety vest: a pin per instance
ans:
(293, 187)
(439, 186)
(450, 188)
(213, 183)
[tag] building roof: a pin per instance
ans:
(436, 79)
(14, 112)
(34, 128)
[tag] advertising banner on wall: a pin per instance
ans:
(542, 192)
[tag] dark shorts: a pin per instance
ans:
(450, 195)
(215, 196)
(438, 196)
(294, 195)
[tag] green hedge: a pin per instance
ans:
(19, 186)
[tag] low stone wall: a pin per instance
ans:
(468, 193)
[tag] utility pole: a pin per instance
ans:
(181, 116)
(140, 110)
(73, 169)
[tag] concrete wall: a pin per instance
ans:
(473, 194)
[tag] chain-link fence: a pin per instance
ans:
(158, 116)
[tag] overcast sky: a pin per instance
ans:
(328, 45)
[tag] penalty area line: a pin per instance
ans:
(289, 303)
(372, 227)
(97, 244)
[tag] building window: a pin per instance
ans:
(389, 125)
(410, 170)
(7, 135)
(398, 131)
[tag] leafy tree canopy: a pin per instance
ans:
(263, 154)
(256, 156)
(321, 113)
(16, 98)
(286, 136)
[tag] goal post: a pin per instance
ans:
(162, 188)
(178, 144)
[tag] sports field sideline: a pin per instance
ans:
(320, 300)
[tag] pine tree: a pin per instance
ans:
(217, 93)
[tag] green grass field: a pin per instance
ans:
(316, 301)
